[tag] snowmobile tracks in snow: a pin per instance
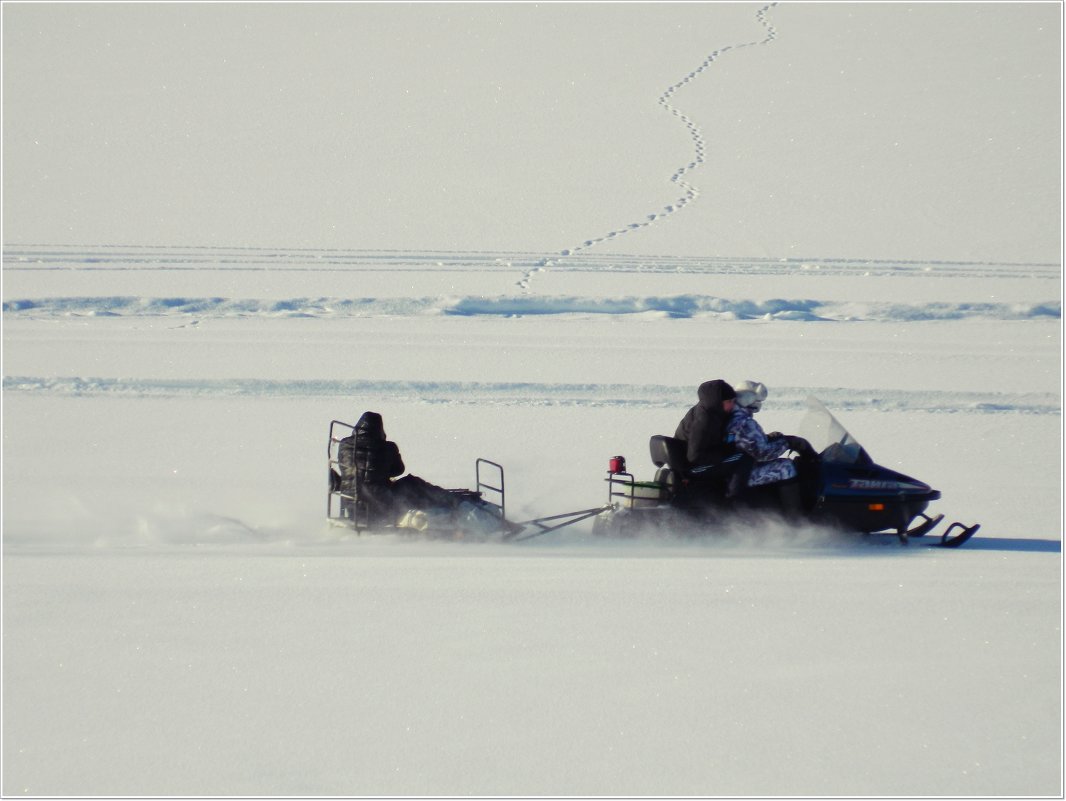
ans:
(524, 394)
(144, 259)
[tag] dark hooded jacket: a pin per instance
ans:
(368, 457)
(703, 427)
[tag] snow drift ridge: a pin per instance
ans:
(676, 306)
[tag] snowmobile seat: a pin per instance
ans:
(697, 486)
(669, 452)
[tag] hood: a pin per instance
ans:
(712, 393)
(371, 425)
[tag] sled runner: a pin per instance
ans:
(839, 486)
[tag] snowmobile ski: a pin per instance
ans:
(965, 532)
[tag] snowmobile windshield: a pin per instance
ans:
(828, 436)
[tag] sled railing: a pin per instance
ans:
(344, 506)
(620, 485)
(499, 498)
(624, 490)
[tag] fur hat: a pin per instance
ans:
(751, 394)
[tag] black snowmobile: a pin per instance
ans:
(840, 486)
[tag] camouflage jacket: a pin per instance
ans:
(748, 437)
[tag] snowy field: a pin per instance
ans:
(179, 619)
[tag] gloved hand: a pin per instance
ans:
(799, 445)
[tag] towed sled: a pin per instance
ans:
(480, 512)
(839, 485)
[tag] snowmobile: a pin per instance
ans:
(479, 513)
(840, 486)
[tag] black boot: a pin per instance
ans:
(791, 499)
(738, 480)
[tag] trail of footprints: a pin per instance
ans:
(689, 191)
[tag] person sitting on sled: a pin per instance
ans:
(747, 436)
(369, 460)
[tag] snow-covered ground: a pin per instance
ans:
(178, 619)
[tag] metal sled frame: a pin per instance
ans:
(545, 525)
(345, 508)
(342, 508)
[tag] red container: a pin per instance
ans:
(617, 464)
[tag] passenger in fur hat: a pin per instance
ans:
(751, 394)
(747, 436)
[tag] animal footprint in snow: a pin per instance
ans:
(695, 132)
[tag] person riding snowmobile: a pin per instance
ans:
(702, 428)
(747, 436)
